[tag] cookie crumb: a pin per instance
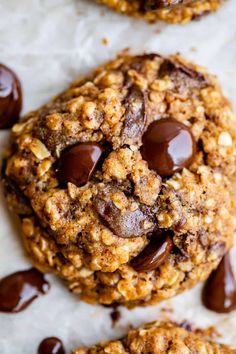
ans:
(115, 316)
(104, 41)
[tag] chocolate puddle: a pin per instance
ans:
(19, 289)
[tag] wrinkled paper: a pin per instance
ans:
(49, 43)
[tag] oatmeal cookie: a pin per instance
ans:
(123, 182)
(172, 11)
(159, 337)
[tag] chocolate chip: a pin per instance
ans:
(219, 292)
(19, 289)
(154, 255)
(126, 223)
(78, 163)
(168, 146)
(182, 76)
(135, 116)
(10, 97)
(51, 345)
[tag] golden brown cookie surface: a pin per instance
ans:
(123, 182)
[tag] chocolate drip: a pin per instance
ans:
(219, 292)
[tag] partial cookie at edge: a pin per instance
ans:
(169, 11)
(159, 337)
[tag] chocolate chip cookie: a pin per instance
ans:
(172, 11)
(159, 337)
(123, 182)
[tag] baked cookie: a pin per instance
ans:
(123, 182)
(161, 338)
(172, 11)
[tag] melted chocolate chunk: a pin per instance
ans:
(152, 5)
(219, 292)
(51, 345)
(126, 223)
(78, 163)
(183, 77)
(168, 146)
(19, 203)
(10, 97)
(135, 116)
(19, 289)
(154, 254)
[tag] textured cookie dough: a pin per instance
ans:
(172, 11)
(65, 227)
(161, 338)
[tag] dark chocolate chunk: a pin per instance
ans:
(19, 203)
(182, 76)
(154, 254)
(168, 146)
(78, 163)
(126, 223)
(135, 116)
(219, 292)
(152, 5)
(19, 289)
(10, 97)
(51, 345)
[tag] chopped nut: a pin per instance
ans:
(18, 128)
(39, 149)
(225, 139)
(28, 227)
(84, 273)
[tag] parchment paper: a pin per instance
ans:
(49, 43)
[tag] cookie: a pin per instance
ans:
(159, 337)
(123, 182)
(172, 11)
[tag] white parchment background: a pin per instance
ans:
(48, 43)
